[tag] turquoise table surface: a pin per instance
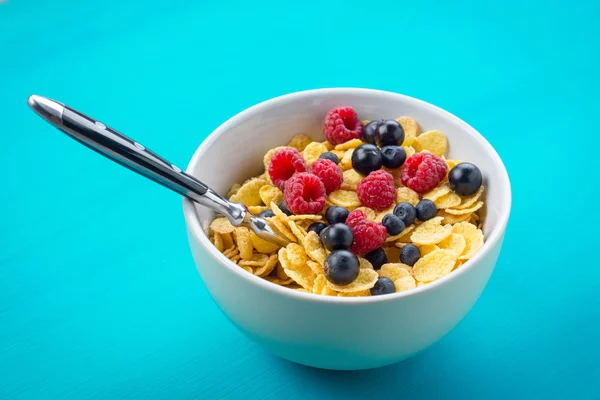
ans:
(99, 296)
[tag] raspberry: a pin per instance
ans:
(285, 163)
(368, 236)
(355, 217)
(304, 193)
(423, 171)
(342, 124)
(329, 173)
(377, 190)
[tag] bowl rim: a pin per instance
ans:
(194, 225)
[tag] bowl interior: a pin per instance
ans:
(234, 152)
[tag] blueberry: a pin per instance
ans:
(406, 212)
(335, 215)
(370, 131)
(389, 133)
(341, 267)
(316, 227)
(426, 209)
(284, 209)
(393, 224)
(338, 237)
(366, 158)
(410, 254)
(383, 286)
(393, 156)
(266, 214)
(330, 156)
(377, 258)
(465, 179)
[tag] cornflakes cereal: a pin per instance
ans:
(299, 142)
(468, 201)
(473, 238)
(314, 247)
(465, 210)
(344, 198)
(431, 232)
(221, 225)
(351, 179)
(366, 279)
(270, 194)
(300, 273)
(312, 152)
(261, 245)
(393, 271)
(407, 195)
(434, 265)
(411, 130)
(447, 201)
(432, 141)
(350, 144)
(244, 243)
(455, 242)
(405, 283)
(445, 241)
(249, 192)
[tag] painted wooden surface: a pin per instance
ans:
(99, 298)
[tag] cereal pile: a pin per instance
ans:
(374, 209)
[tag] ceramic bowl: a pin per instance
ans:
(339, 332)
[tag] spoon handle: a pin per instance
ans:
(131, 154)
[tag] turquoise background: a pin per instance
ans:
(99, 297)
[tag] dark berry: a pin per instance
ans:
(336, 215)
(284, 209)
(338, 237)
(322, 233)
(393, 156)
(377, 258)
(330, 156)
(410, 254)
(465, 179)
(406, 212)
(393, 224)
(370, 131)
(366, 158)
(266, 214)
(389, 133)
(316, 227)
(426, 209)
(383, 286)
(341, 267)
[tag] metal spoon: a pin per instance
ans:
(130, 154)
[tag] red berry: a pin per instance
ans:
(285, 163)
(304, 193)
(329, 173)
(368, 236)
(423, 171)
(355, 217)
(377, 190)
(342, 124)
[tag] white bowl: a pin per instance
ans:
(339, 332)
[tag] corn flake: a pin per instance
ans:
(346, 160)
(469, 210)
(257, 209)
(312, 152)
(435, 193)
(405, 283)
(249, 192)
(314, 248)
(221, 225)
(257, 260)
(432, 141)
(244, 243)
(434, 265)
(407, 195)
(344, 198)
(350, 144)
(473, 238)
(468, 201)
(364, 263)
(218, 242)
(270, 194)
(453, 219)
(351, 178)
(315, 267)
(369, 212)
(431, 232)
(299, 272)
(234, 189)
(320, 283)
(409, 151)
(393, 271)
(299, 142)
(411, 130)
(455, 242)
(366, 279)
(261, 245)
(427, 248)
(447, 201)
(268, 267)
